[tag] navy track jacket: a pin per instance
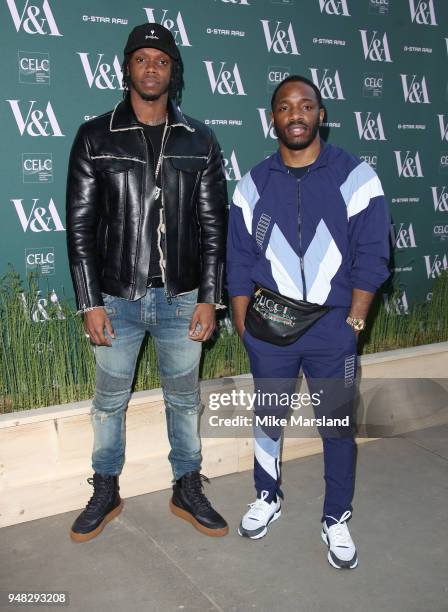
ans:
(313, 239)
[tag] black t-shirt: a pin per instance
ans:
(153, 135)
(299, 172)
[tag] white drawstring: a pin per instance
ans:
(257, 507)
(339, 531)
(347, 514)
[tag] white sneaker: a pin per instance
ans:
(254, 523)
(341, 549)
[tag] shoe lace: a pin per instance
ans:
(196, 494)
(258, 507)
(340, 534)
(101, 494)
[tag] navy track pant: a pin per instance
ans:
(327, 355)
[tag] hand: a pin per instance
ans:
(202, 323)
(356, 332)
(94, 323)
(240, 304)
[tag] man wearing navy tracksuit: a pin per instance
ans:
(310, 223)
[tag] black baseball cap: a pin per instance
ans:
(152, 35)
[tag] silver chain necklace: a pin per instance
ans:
(156, 191)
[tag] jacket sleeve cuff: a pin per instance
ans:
(211, 287)
(365, 286)
(237, 291)
(87, 290)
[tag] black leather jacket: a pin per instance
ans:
(108, 208)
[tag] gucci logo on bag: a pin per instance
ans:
(270, 309)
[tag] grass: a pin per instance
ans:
(46, 360)
(424, 324)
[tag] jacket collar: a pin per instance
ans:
(278, 164)
(123, 117)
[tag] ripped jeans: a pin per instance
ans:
(178, 358)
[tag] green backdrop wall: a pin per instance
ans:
(381, 66)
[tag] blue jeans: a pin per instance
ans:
(178, 358)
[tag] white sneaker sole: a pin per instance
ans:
(262, 533)
(331, 560)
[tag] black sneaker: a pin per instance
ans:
(104, 505)
(189, 502)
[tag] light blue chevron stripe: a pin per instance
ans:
(267, 461)
(246, 197)
(361, 185)
(316, 252)
(285, 265)
(322, 260)
(269, 446)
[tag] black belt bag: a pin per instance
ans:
(278, 319)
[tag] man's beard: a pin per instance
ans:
(148, 97)
(145, 96)
(291, 143)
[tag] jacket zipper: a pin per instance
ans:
(106, 238)
(143, 195)
(168, 293)
(82, 291)
(299, 216)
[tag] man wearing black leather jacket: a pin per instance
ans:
(146, 206)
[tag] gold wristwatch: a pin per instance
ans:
(357, 324)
